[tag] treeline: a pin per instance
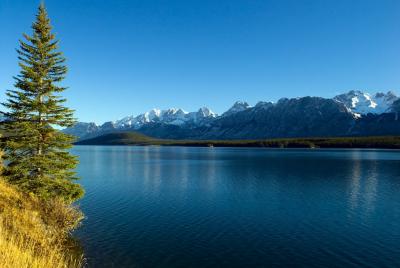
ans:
(132, 138)
(341, 142)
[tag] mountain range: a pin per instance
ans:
(354, 113)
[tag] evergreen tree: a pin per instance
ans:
(36, 152)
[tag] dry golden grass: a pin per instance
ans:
(34, 233)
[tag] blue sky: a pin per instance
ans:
(126, 57)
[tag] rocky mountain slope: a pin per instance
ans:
(354, 113)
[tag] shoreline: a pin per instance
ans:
(134, 139)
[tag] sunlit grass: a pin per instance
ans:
(34, 233)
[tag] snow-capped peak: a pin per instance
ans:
(171, 116)
(172, 111)
(206, 112)
(264, 105)
(360, 103)
(357, 102)
(237, 107)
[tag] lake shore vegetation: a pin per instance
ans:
(132, 138)
(38, 182)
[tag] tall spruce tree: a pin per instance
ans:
(36, 152)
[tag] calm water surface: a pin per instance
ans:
(228, 207)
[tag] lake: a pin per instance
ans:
(239, 207)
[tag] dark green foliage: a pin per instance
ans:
(120, 138)
(133, 138)
(37, 154)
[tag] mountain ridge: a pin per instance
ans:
(345, 114)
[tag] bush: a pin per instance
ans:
(36, 233)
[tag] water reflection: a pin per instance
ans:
(210, 207)
(371, 185)
(363, 183)
(355, 183)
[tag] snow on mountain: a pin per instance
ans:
(360, 103)
(385, 101)
(263, 105)
(206, 112)
(237, 107)
(203, 114)
(356, 102)
(81, 129)
(171, 116)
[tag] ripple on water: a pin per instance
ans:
(202, 207)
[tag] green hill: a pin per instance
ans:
(120, 138)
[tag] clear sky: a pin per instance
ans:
(126, 57)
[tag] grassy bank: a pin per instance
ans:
(35, 233)
(132, 138)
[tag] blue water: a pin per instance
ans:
(235, 207)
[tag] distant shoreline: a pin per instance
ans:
(136, 139)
